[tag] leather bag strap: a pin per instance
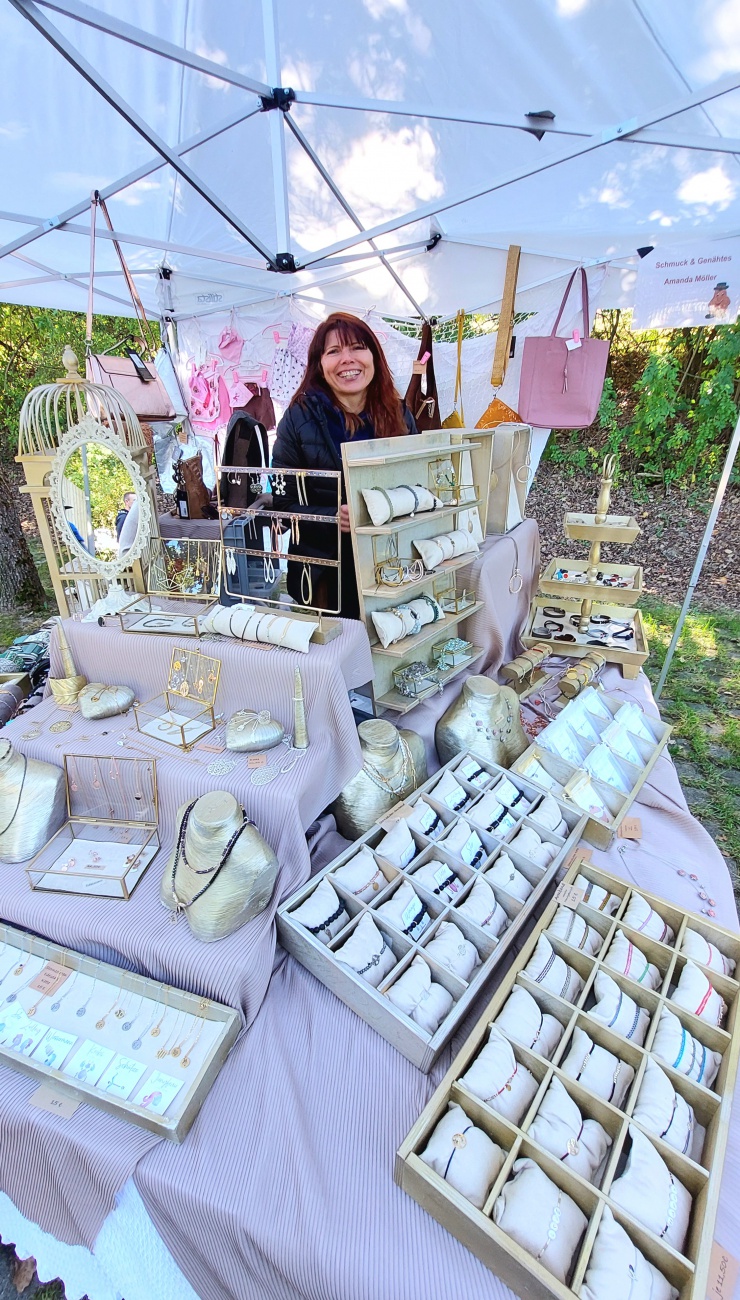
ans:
(506, 317)
(584, 303)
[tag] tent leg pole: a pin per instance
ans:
(706, 539)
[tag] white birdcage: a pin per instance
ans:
(48, 414)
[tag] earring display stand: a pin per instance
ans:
(184, 713)
(275, 522)
(141, 1050)
(593, 625)
(110, 835)
(686, 1269)
(416, 459)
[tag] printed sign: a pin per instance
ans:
(694, 284)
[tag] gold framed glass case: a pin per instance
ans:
(184, 712)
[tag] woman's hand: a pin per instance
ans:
(344, 519)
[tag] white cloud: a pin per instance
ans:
(712, 187)
(13, 130)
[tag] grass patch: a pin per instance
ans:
(701, 700)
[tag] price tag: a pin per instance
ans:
(723, 1274)
(574, 342)
(578, 855)
(630, 829)
(568, 895)
(49, 979)
(257, 760)
(45, 1098)
(419, 368)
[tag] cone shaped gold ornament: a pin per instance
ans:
(66, 689)
(300, 730)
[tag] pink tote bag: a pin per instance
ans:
(560, 388)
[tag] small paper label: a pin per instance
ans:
(49, 979)
(723, 1274)
(412, 915)
(578, 855)
(44, 1098)
(568, 895)
(441, 876)
(88, 1063)
(257, 760)
(54, 1048)
(121, 1076)
(469, 849)
(157, 1093)
(630, 829)
(419, 368)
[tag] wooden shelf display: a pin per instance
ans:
(574, 784)
(373, 1004)
(629, 1125)
(596, 590)
(631, 655)
(158, 1082)
(465, 505)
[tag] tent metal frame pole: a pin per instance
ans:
(80, 281)
(277, 134)
(701, 555)
(721, 86)
(31, 11)
(138, 174)
(300, 137)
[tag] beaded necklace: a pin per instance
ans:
(213, 872)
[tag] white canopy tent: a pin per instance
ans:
(389, 151)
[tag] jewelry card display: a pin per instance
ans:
(110, 834)
(596, 755)
(184, 712)
(144, 1051)
(408, 924)
(417, 518)
(609, 1160)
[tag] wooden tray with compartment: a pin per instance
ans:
(556, 587)
(223, 1027)
(631, 661)
(623, 529)
(421, 1048)
(687, 1270)
(566, 774)
(385, 464)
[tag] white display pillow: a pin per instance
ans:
(507, 793)
(540, 1218)
(492, 816)
(546, 968)
(397, 846)
(600, 899)
(523, 1021)
(438, 878)
(617, 1011)
(449, 948)
(405, 620)
(573, 929)
(548, 814)
(694, 945)
(641, 916)
(464, 1156)
(367, 952)
(449, 792)
(504, 874)
(528, 843)
(679, 1049)
(618, 1270)
(695, 993)
(663, 1111)
(465, 843)
(482, 907)
(361, 875)
(405, 910)
(627, 959)
(426, 820)
(560, 1128)
(245, 623)
(651, 1194)
(322, 913)
(420, 997)
(597, 1069)
(398, 503)
(474, 773)
(435, 550)
(498, 1079)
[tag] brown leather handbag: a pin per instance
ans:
(422, 400)
(188, 476)
(260, 406)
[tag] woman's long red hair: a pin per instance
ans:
(383, 405)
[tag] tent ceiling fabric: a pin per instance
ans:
(601, 66)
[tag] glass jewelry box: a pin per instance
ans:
(599, 901)
(142, 1050)
(110, 835)
(373, 1003)
(184, 712)
(183, 578)
(165, 615)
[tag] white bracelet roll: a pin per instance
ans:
(523, 1021)
(499, 1080)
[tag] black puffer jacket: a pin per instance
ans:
(304, 442)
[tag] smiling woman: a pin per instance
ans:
(347, 393)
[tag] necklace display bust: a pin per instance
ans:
(485, 720)
(393, 765)
(221, 872)
(33, 803)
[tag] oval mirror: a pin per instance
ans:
(99, 499)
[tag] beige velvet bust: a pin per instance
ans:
(33, 803)
(243, 886)
(485, 720)
(394, 764)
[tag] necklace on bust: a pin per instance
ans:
(20, 796)
(393, 785)
(482, 727)
(182, 905)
